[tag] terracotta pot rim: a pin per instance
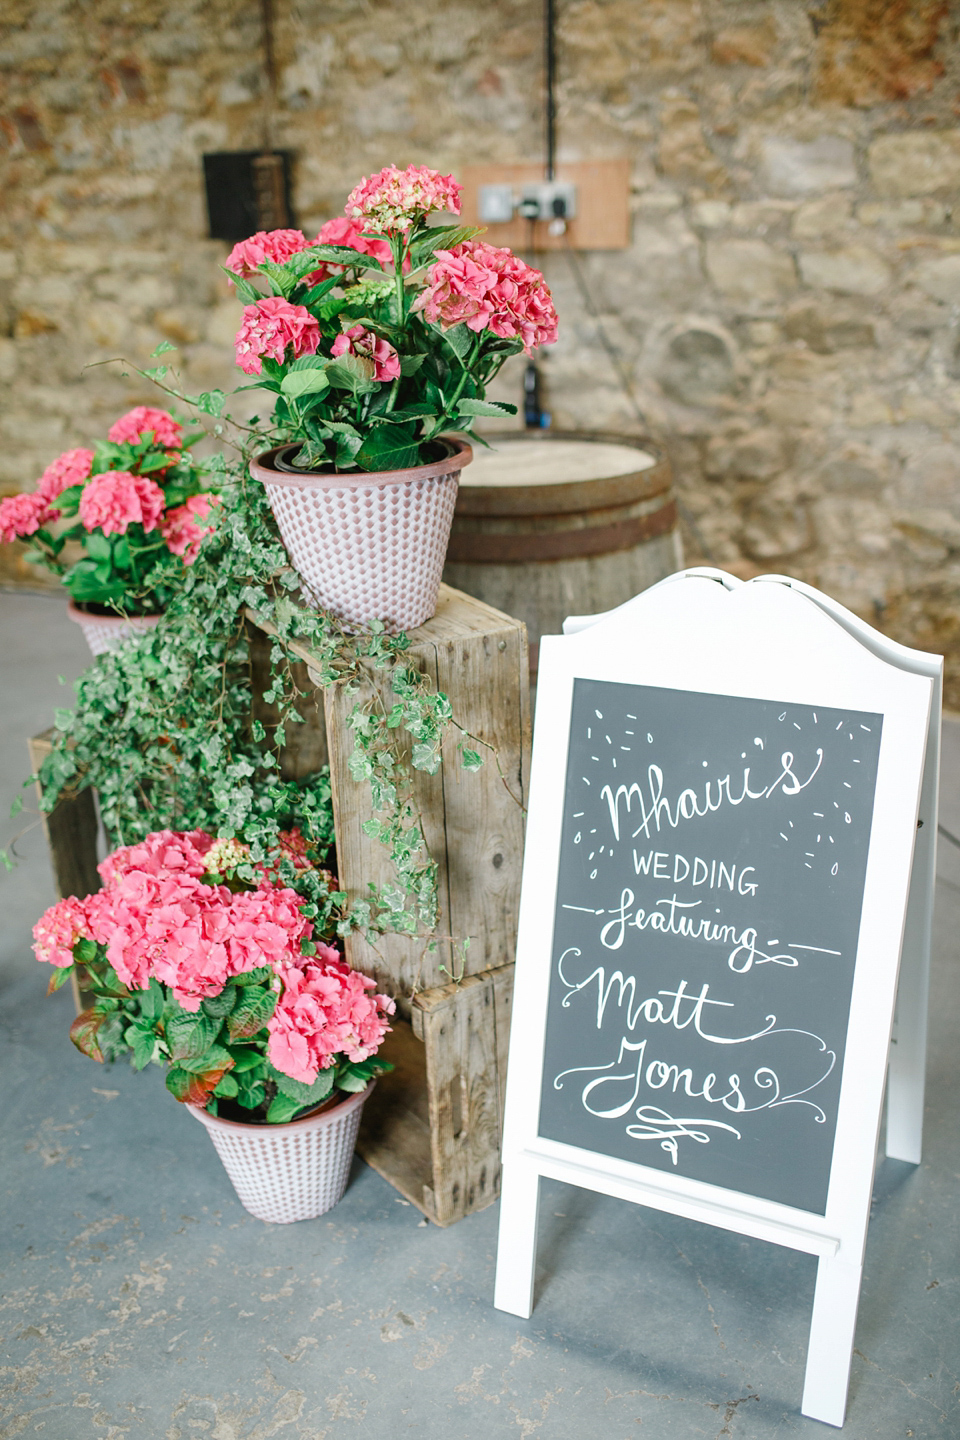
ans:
(461, 454)
(78, 613)
(315, 1121)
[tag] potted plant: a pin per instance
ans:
(375, 338)
(206, 963)
(117, 523)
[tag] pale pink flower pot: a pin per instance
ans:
(297, 1171)
(108, 632)
(369, 545)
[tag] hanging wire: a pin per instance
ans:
(550, 67)
(270, 70)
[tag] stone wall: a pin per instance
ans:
(788, 307)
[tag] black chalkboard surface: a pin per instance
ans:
(711, 880)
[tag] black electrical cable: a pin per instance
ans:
(550, 56)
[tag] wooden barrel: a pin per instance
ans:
(562, 523)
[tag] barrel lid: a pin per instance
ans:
(543, 461)
(560, 473)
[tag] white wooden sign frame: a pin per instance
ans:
(771, 639)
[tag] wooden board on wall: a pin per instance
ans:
(602, 221)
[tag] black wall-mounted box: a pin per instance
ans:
(247, 190)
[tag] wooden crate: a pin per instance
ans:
(432, 1126)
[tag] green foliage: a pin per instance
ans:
(165, 729)
(208, 1058)
(135, 573)
(344, 417)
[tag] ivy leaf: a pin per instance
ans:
(426, 757)
(209, 402)
(162, 349)
(471, 759)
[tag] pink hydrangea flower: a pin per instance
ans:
(163, 853)
(325, 1009)
(486, 287)
(70, 468)
(59, 929)
(22, 515)
(362, 342)
(181, 527)
(275, 245)
(270, 328)
(142, 420)
(115, 500)
(393, 200)
(344, 231)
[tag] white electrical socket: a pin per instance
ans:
(496, 204)
(543, 193)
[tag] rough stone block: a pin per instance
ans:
(750, 270)
(915, 163)
(940, 279)
(802, 167)
(753, 455)
(828, 328)
(745, 44)
(826, 215)
(852, 270)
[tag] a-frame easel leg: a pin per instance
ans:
(517, 1246)
(908, 1052)
(831, 1340)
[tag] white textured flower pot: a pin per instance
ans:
(296, 1171)
(109, 632)
(368, 546)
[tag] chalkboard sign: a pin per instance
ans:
(712, 862)
(726, 790)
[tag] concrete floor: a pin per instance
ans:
(139, 1299)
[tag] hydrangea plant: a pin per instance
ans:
(118, 522)
(207, 963)
(384, 330)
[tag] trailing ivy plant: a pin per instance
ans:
(165, 727)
